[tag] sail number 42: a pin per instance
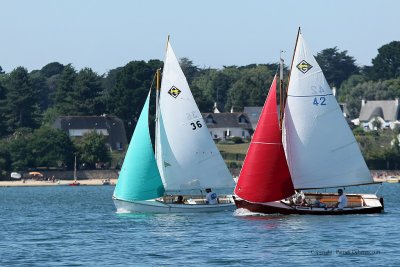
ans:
(196, 125)
(319, 101)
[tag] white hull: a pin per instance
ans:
(155, 206)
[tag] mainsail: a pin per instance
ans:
(265, 175)
(320, 147)
(139, 178)
(186, 154)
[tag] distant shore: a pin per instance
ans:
(32, 182)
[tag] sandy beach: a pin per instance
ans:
(31, 182)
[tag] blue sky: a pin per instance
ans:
(105, 34)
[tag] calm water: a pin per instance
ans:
(78, 226)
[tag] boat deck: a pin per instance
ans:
(194, 199)
(353, 200)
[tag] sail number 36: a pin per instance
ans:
(319, 101)
(196, 125)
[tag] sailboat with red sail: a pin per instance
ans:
(313, 148)
(265, 174)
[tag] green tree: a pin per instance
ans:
(89, 88)
(337, 66)
(40, 89)
(52, 69)
(22, 105)
(20, 153)
(50, 116)
(189, 69)
(3, 110)
(212, 86)
(92, 149)
(251, 89)
(51, 148)
(65, 95)
(126, 98)
(5, 161)
(386, 65)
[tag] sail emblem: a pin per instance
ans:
(304, 66)
(174, 91)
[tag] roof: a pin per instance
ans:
(386, 109)
(345, 110)
(253, 114)
(114, 126)
(227, 120)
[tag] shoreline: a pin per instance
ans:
(31, 182)
(90, 182)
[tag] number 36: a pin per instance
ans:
(196, 125)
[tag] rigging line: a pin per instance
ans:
(152, 82)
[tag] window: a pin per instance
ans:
(242, 119)
(118, 146)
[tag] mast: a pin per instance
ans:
(75, 169)
(158, 86)
(281, 91)
(294, 52)
(157, 110)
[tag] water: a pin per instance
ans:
(78, 226)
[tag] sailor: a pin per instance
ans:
(179, 200)
(342, 201)
(211, 197)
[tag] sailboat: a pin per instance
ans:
(317, 151)
(186, 161)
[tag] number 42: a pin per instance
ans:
(321, 101)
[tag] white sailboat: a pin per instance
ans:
(321, 151)
(187, 160)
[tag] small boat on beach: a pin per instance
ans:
(309, 145)
(186, 162)
(106, 182)
(392, 179)
(74, 183)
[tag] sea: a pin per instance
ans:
(79, 226)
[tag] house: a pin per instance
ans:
(253, 113)
(382, 114)
(110, 126)
(226, 125)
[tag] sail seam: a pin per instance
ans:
(265, 143)
(343, 146)
(308, 95)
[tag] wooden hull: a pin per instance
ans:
(156, 206)
(372, 205)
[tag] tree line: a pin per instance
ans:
(31, 101)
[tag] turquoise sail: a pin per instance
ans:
(139, 178)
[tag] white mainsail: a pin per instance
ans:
(186, 154)
(320, 148)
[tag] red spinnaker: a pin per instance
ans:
(265, 175)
